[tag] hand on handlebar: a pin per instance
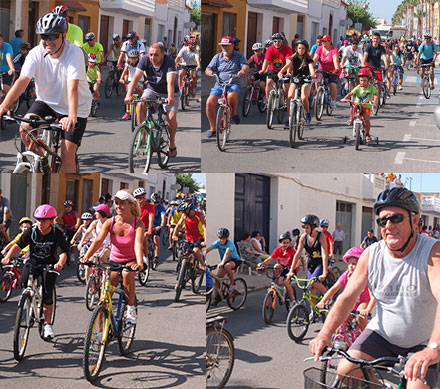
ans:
(322, 277)
(317, 346)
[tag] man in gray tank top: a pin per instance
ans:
(403, 274)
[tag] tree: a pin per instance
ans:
(357, 13)
(185, 179)
(419, 14)
(196, 15)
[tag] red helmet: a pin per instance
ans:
(192, 42)
(364, 72)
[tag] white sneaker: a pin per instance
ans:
(96, 344)
(48, 332)
(333, 104)
(400, 87)
(131, 314)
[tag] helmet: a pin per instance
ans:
(283, 236)
(223, 233)
(185, 38)
(421, 222)
(139, 191)
(104, 208)
(313, 220)
(25, 45)
(174, 202)
(51, 23)
(45, 211)
(155, 197)
(116, 36)
(133, 53)
(192, 42)
(61, 10)
(324, 223)
(132, 34)
(302, 42)
(353, 252)
(24, 220)
(236, 40)
(427, 34)
(144, 41)
(278, 35)
(86, 216)
(90, 36)
(268, 42)
(346, 41)
(397, 197)
(92, 57)
(257, 46)
(364, 72)
(68, 202)
(184, 205)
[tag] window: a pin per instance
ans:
(125, 27)
(275, 25)
(160, 31)
(86, 194)
(123, 185)
(72, 192)
(147, 34)
(84, 23)
(344, 216)
(106, 186)
(228, 24)
(315, 32)
(300, 26)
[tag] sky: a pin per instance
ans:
(422, 182)
(384, 9)
(200, 177)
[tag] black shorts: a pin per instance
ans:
(274, 76)
(198, 243)
(426, 61)
(42, 109)
(261, 77)
(237, 262)
(332, 78)
(7, 79)
(117, 264)
(156, 232)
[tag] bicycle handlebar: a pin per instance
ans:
(35, 121)
(45, 267)
(226, 83)
(354, 103)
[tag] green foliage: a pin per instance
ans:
(185, 179)
(357, 13)
(196, 16)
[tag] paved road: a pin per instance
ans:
(408, 140)
(167, 351)
(107, 138)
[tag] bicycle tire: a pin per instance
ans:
(268, 310)
(237, 302)
(300, 121)
(92, 292)
(163, 155)
(81, 272)
(91, 368)
(221, 128)
(175, 251)
(144, 274)
(328, 107)
(108, 88)
(182, 96)
(426, 87)
(141, 151)
(196, 283)
(187, 96)
(133, 118)
(181, 279)
(384, 93)
(120, 88)
(23, 324)
(40, 313)
(329, 365)
(165, 235)
(260, 102)
(208, 299)
(247, 101)
(270, 109)
(375, 107)
(337, 271)
(6, 283)
(298, 322)
(281, 112)
(293, 124)
(357, 131)
(394, 84)
(220, 352)
(94, 109)
(126, 331)
(30, 96)
(319, 103)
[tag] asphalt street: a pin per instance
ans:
(408, 139)
(167, 351)
(106, 141)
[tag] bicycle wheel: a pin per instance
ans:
(281, 111)
(394, 84)
(47, 137)
(327, 366)
(270, 109)
(5, 287)
(165, 235)
(319, 103)
(260, 103)
(375, 107)
(24, 321)
(293, 124)
(94, 347)
(197, 282)
(92, 292)
(384, 93)
(120, 88)
(357, 131)
(94, 109)
(268, 306)
(134, 121)
(247, 101)
(181, 279)
(298, 322)
(182, 96)
(236, 301)
(30, 95)
(328, 107)
(300, 120)
(141, 152)
(126, 330)
(175, 251)
(163, 148)
(108, 88)
(144, 274)
(220, 357)
(426, 87)
(81, 272)
(40, 311)
(221, 127)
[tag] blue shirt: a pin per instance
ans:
(5, 50)
(313, 49)
(427, 51)
(225, 68)
(160, 210)
(397, 59)
(15, 43)
(223, 247)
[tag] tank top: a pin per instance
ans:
(98, 227)
(313, 252)
(122, 246)
(404, 302)
(69, 220)
(194, 227)
(116, 52)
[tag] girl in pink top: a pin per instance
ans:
(365, 301)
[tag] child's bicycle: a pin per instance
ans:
(95, 102)
(10, 279)
(185, 93)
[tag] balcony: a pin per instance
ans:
(285, 6)
(133, 8)
(430, 204)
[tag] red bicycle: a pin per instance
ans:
(185, 93)
(10, 279)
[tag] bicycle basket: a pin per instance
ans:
(314, 379)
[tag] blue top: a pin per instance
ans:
(224, 68)
(222, 249)
(160, 210)
(427, 51)
(5, 50)
(397, 59)
(313, 49)
(15, 43)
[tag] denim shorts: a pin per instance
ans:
(217, 91)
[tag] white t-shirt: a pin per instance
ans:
(52, 74)
(132, 71)
(126, 47)
(188, 57)
(354, 58)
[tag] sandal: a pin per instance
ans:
(172, 152)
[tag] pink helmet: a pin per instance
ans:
(353, 252)
(45, 211)
(104, 208)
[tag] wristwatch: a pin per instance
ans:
(434, 346)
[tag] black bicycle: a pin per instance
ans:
(112, 82)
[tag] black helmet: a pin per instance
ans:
(302, 42)
(283, 236)
(185, 205)
(313, 220)
(51, 23)
(278, 35)
(223, 233)
(397, 197)
(155, 197)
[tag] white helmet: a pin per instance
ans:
(86, 216)
(116, 36)
(257, 46)
(51, 23)
(139, 191)
(90, 36)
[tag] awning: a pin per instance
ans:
(72, 5)
(218, 3)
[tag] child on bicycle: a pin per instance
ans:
(230, 259)
(258, 58)
(24, 223)
(362, 93)
(365, 302)
(397, 61)
(127, 75)
(284, 255)
(301, 64)
(86, 219)
(94, 76)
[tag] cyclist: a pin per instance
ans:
(230, 260)
(301, 64)
(61, 86)
(6, 64)
(328, 58)
(132, 43)
(86, 219)
(128, 74)
(114, 48)
(368, 240)
(402, 271)
(70, 222)
(91, 46)
(21, 56)
(397, 62)
(316, 45)
(427, 51)
(225, 64)
(284, 255)
(257, 58)
(173, 218)
(148, 214)
(188, 56)
(74, 32)
(126, 235)
(158, 224)
(324, 223)
(24, 224)
(44, 240)
(352, 58)
(5, 216)
(267, 44)
(94, 76)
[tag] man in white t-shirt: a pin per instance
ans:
(188, 56)
(132, 43)
(61, 86)
(352, 55)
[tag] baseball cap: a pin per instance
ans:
(326, 38)
(123, 195)
(226, 41)
(103, 207)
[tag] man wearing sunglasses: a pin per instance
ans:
(91, 46)
(402, 272)
(428, 53)
(132, 43)
(61, 86)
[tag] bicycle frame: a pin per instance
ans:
(308, 296)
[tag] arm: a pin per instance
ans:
(68, 123)
(99, 80)
(336, 62)
(364, 60)
(109, 51)
(134, 81)
(14, 93)
(176, 61)
(243, 71)
(162, 222)
(324, 257)
(124, 75)
(120, 59)
(14, 250)
(76, 235)
(97, 243)
(138, 245)
(225, 258)
(315, 59)
(265, 67)
(297, 257)
(256, 248)
(203, 221)
(330, 293)
(11, 64)
(87, 233)
(286, 67)
(150, 224)
(170, 88)
(385, 60)
(182, 218)
(78, 221)
(264, 263)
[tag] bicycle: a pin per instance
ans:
(350, 79)
(2, 97)
(10, 279)
(426, 80)
(93, 287)
(322, 98)
(112, 82)
(276, 102)
(381, 96)
(396, 77)
(296, 111)
(28, 97)
(105, 326)
(148, 264)
(186, 87)
(235, 299)
(80, 269)
(220, 353)
(164, 234)
(30, 310)
(133, 109)
(150, 136)
(254, 94)
(95, 102)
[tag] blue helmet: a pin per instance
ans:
(324, 223)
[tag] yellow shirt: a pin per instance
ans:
(175, 217)
(75, 35)
(92, 73)
(24, 250)
(97, 47)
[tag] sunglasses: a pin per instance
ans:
(50, 37)
(278, 41)
(395, 219)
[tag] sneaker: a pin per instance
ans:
(126, 116)
(286, 124)
(432, 86)
(312, 317)
(211, 134)
(216, 301)
(48, 332)
(131, 315)
(236, 119)
(308, 118)
(388, 96)
(96, 344)
(155, 262)
(400, 87)
(333, 104)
